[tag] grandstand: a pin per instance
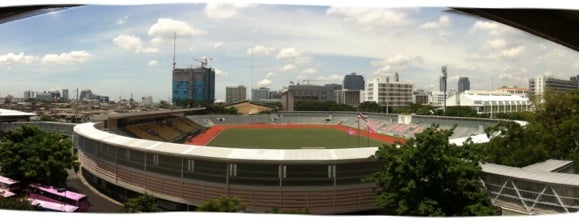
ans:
(324, 181)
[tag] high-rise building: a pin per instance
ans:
(29, 94)
(381, 90)
(420, 97)
(348, 97)
(235, 94)
(307, 92)
(463, 84)
(260, 94)
(197, 84)
(538, 84)
(65, 94)
(353, 82)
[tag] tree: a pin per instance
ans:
(141, 204)
(428, 176)
(15, 204)
(513, 145)
(370, 106)
(557, 123)
(223, 204)
(29, 154)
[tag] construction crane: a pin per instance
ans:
(204, 61)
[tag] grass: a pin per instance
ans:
(290, 138)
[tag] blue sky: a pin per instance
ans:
(116, 50)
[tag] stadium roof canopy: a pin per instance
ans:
(7, 115)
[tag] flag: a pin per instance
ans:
(362, 116)
(370, 130)
(351, 132)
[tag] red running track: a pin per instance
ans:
(206, 137)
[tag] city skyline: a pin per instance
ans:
(130, 50)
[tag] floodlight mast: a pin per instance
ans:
(444, 79)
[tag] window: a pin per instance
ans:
(190, 165)
(155, 159)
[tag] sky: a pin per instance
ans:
(124, 50)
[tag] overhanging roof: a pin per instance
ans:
(557, 25)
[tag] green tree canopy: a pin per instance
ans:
(29, 154)
(557, 123)
(513, 145)
(223, 204)
(15, 204)
(427, 176)
(141, 204)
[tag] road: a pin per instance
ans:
(97, 203)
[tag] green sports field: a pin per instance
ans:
(289, 138)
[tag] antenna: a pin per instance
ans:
(174, 42)
(396, 77)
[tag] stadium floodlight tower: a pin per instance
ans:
(444, 79)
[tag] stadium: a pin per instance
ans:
(171, 155)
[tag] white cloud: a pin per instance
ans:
(443, 21)
(396, 63)
(368, 19)
(260, 50)
(122, 20)
(508, 53)
(134, 43)
(510, 74)
(220, 11)
(287, 53)
(264, 82)
(467, 68)
(332, 78)
(288, 67)
(73, 57)
(11, 58)
(153, 63)
(309, 71)
(218, 45)
(576, 64)
(496, 43)
(167, 28)
(303, 60)
(267, 80)
(219, 72)
(129, 42)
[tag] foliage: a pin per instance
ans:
(48, 119)
(164, 105)
(427, 176)
(276, 210)
(322, 106)
(462, 111)
(141, 204)
(513, 145)
(557, 123)
(29, 154)
(210, 108)
(15, 204)
(371, 106)
(223, 204)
